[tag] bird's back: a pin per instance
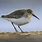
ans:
(16, 14)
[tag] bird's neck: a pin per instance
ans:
(29, 17)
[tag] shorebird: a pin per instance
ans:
(20, 17)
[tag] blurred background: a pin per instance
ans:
(8, 6)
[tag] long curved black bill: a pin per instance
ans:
(35, 16)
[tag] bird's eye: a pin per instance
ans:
(29, 11)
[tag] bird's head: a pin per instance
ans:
(31, 13)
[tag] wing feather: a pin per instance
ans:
(16, 14)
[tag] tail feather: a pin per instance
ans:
(2, 16)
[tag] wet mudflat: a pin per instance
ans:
(21, 37)
(24, 40)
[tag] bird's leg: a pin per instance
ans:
(20, 28)
(14, 27)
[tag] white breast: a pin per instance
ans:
(20, 21)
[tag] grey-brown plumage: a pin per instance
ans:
(20, 17)
(17, 14)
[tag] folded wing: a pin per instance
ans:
(15, 14)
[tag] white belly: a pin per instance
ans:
(20, 21)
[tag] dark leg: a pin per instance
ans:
(20, 28)
(14, 27)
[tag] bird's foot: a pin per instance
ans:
(22, 31)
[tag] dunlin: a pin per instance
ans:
(20, 17)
